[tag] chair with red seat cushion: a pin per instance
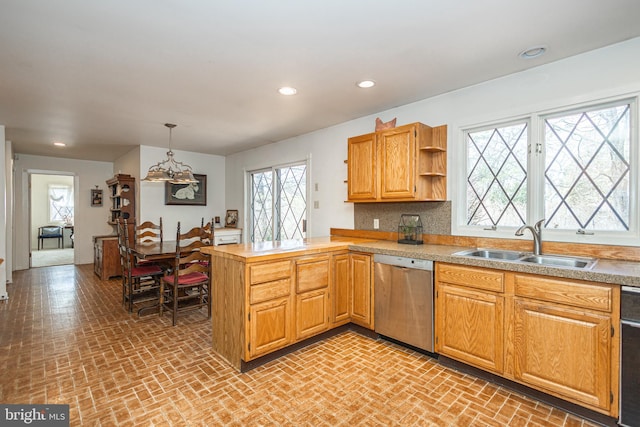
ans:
(186, 287)
(139, 282)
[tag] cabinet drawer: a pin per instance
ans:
(570, 292)
(312, 273)
(269, 271)
(471, 277)
(270, 290)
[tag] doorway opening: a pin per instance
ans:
(51, 219)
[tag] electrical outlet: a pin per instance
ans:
(376, 223)
(316, 204)
(316, 186)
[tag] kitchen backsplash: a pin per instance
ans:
(435, 216)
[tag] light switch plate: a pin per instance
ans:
(376, 223)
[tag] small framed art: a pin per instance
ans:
(96, 197)
(231, 219)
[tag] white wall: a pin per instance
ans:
(609, 71)
(4, 225)
(89, 221)
(151, 194)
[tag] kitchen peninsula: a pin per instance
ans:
(267, 296)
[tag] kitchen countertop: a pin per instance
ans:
(605, 270)
(265, 251)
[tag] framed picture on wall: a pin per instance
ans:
(187, 194)
(231, 219)
(96, 197)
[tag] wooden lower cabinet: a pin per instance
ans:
(312, 296)
(106, 257)
(312, 313)
(270, 326)
(339, 294)
(259, 307)
(564, 351)
(471, 326)
(270, 307)
(361, 297)
(559, 336)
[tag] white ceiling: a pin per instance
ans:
(104, 76)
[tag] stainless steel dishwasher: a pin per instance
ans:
(404, 300)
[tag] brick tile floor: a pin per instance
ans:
(65, 338)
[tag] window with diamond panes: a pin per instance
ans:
(262, 206)
(587, 170)
(292, 206)
(278, 203)
(497, 175)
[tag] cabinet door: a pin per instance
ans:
(312, 313)
(563, 351)
(269, 326)
(312, 273)
(340, 289)
(361, 167)
(469, 326)
(397, 163)
(111, 265)
(360, 287)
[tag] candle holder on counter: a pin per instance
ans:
(410, 229)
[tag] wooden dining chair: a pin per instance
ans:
(139, 282)
(192, 239)
(208, 232)
(148, 232)
(187, 286)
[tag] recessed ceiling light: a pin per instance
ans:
(59, 144)
(533, 52)
(366, 84)
(286, 90)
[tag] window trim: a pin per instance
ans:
(535, 169)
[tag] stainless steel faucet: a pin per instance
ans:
(536, 231)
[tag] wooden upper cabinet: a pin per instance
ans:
(398, 162)
(406, 163)
(362, 179)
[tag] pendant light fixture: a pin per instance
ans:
(170, 169)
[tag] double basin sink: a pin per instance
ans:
(529, 258)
